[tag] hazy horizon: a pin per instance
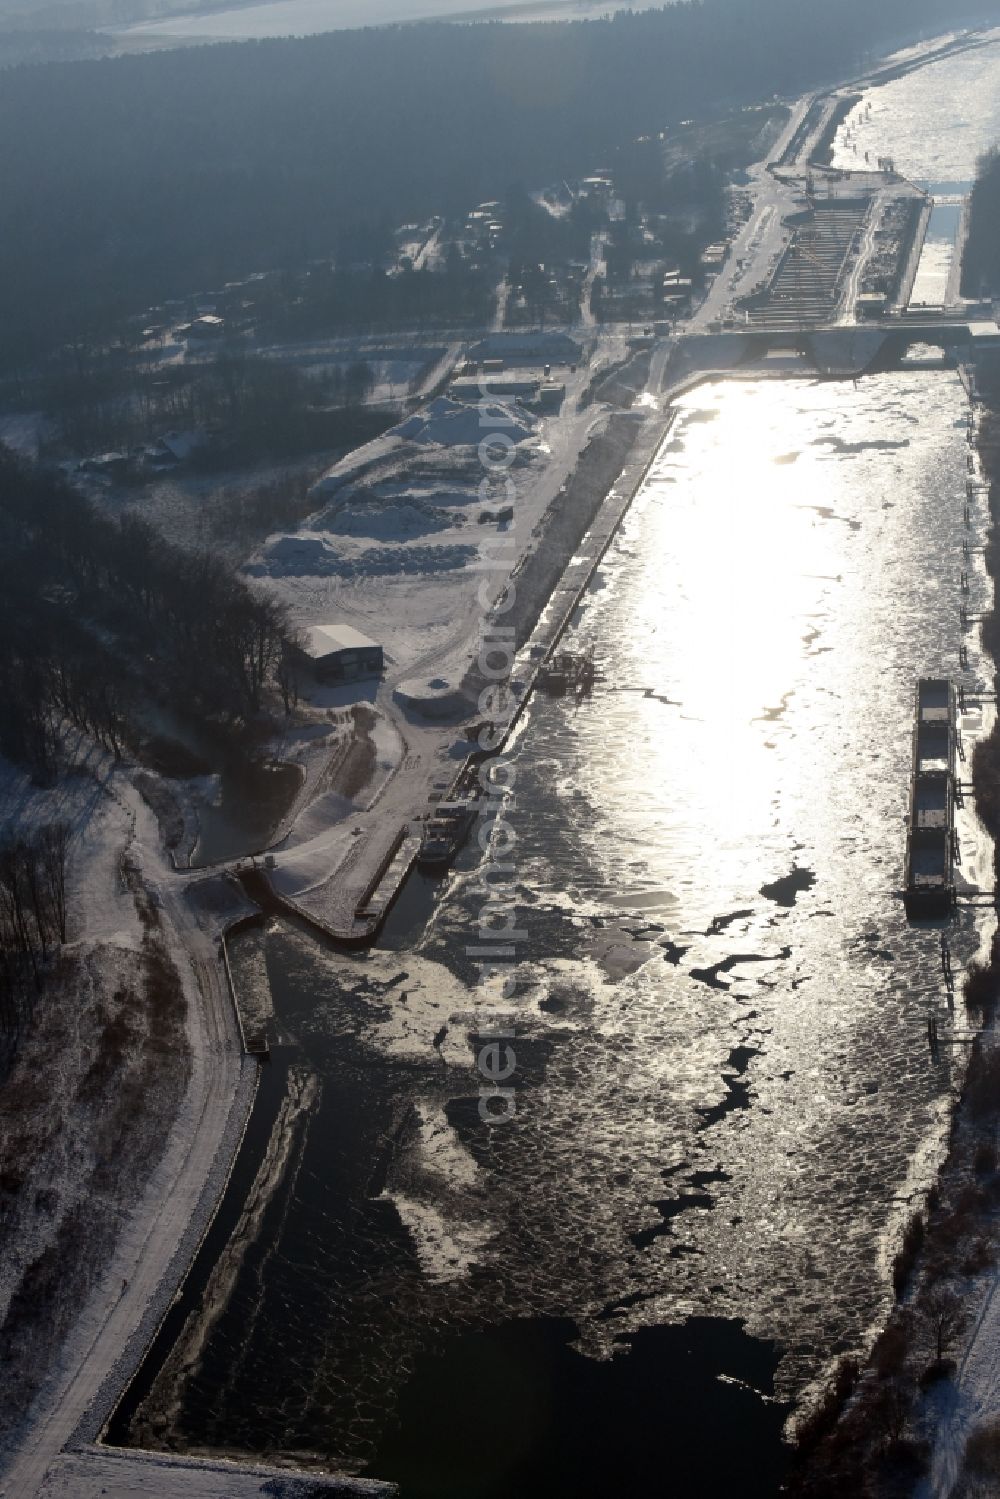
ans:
(277, 18)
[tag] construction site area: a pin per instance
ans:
(806, 286)
(845, 258)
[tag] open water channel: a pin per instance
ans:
(726, 1103)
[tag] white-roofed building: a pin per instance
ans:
(339, 653)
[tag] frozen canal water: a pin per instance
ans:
(726, 1105)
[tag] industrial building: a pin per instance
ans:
(339, 653)
(536, 392)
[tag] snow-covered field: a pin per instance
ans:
(400, 547)
(400, 534)
(306, 17)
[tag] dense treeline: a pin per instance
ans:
(99, 614)
(336, 298)
(127, 180)
(981, 263)
(261, 407)
(33, 920)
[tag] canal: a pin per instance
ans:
(726, 1108)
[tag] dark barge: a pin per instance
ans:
(445, 833)
(930, 842)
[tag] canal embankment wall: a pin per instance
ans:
(130, 1360)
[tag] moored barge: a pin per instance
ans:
(930, 842)
(445, 833)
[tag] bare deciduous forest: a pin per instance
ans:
(98, 615)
